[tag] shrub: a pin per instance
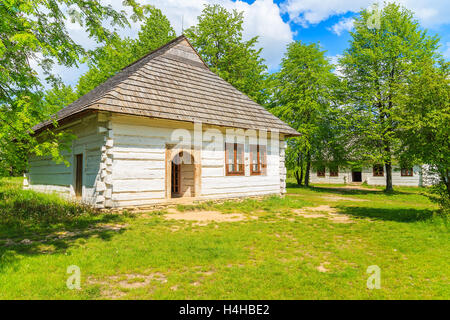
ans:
(438, 193)
(19, 206)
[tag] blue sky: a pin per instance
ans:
(278, 22)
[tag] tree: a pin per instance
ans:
(117, 53)
(104, 62)
(377, 67)
(424, 125)
(33, 34)
(155, 32)
(302, 97)
(218, 39)
(55, 98)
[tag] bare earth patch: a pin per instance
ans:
(356, 188)
(205, 216)
(312, 215)
(111, 287)
(134, 281)
(322, 268)
(338, 198)
(325, 212)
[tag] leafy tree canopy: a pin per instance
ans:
(302, 97)
(218, 39)
(377, 67)
(33, 35)
(107, 60)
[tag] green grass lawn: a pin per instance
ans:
(277, 248)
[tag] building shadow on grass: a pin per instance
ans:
(58, 240)
(388, 214)
(346, 190)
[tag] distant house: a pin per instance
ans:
(165, 127)
(372, 175)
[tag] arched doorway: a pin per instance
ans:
(182, 175)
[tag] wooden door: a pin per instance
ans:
(175, 179)
(79, 176)
(356, 176)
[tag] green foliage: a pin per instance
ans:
(377, 67)
(104, 62)
(218, 39)
(25, 207)
(57, 97)
(303, 96)
(155, 32)
(34, 33)
(109, 59)
(424, 121)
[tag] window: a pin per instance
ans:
(334, 171)
(258, 160)
(407, 172)
(378, 170)
(321, 172)
(234, 159)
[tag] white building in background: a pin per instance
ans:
(373, 175)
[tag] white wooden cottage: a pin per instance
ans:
(165, 127)
(416, 176)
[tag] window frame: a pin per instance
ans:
(319, 172)
(409, 172)
(236, 154)
(261, 154)
(375, 172)
(334, 173)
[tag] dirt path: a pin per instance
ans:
(324, 211)
(204, 216)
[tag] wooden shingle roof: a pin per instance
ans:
(174, 83)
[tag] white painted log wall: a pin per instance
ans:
(124, 163)
(45, 175)
(139, 165)
(345, 176)
(138, 169)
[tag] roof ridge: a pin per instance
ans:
(116, 76)
(173, 41)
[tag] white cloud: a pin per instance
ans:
(307, 12)
(261, 18)
(446, 51)
(431, 13)
(334, 60)
(345, 24)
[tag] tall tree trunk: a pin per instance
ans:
(388, 166)
(301, 174)
(297, 177)
(445, 177)
(300, 165)
(308, 168)
(389, 187)
(447, 182)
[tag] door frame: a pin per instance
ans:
(170, 154)
(178, 178)
(79, 175)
